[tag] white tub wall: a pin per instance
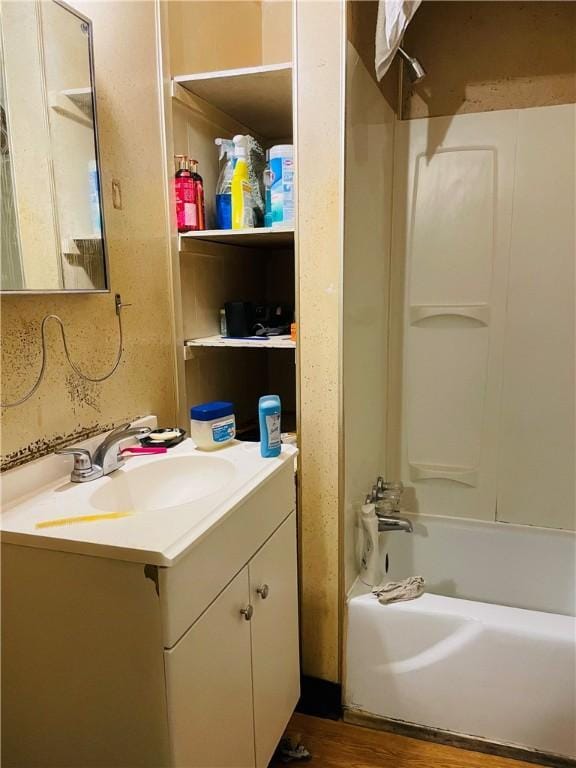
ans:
(367, 228)
(511, 565)
(484, 215)
(538, 431)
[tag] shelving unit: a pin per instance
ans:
(258, 97)
(262, 237)
(274, 342)
(234, 265)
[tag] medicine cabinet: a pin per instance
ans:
(52, 236)
(215, 266)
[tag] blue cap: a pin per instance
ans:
(214, 410)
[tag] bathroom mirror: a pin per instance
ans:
(52, 229)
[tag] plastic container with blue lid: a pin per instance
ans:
(212, 425)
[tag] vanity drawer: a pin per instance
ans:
(187, 588)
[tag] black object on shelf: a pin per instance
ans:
(239, 318)
(244, 319)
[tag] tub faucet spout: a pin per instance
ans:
(389, 523)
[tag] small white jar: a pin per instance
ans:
(212, 425)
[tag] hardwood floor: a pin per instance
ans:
(340, 745)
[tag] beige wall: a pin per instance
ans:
(66, 408)
(367, 233)
(361, 28)
(30, 150)
(276, 31)
(320, 137)
(210, 35)
(482, 56)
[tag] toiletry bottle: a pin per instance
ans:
(282, 190)
(199, 190)
(268, 179)
(223, 326)
(241, 189)
(212, 425)
(269, 410)
(186, 215)
(370, 562)
(224, 184)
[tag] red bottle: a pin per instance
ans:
(185, 193)
(199, 184)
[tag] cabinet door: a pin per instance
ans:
(209, 686)
(275, 648)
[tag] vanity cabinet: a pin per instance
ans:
(232, 679)
(116, 663)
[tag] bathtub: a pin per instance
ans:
(488, 652)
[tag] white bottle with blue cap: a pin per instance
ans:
(269, 411)
(212, 425)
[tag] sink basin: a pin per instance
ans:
(172, 501)
(162, 484)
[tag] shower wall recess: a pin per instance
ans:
(483, 307)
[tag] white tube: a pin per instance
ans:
(370, 573)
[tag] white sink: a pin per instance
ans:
(170, 502)
(162, 484)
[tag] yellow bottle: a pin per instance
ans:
(241, 191)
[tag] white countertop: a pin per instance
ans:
(157, 536)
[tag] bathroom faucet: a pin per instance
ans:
(386, 499)
(106, 457)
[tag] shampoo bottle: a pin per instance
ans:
(185, 192)
(270, 434)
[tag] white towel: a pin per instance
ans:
(393, 18)
(395, 591)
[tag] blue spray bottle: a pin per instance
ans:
(269, 410)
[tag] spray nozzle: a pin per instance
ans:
(226, 148)
(240, 146)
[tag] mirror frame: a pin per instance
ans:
(77, 291)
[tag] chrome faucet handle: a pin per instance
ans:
(394, 485)
(82, 457)
(107, 454)
(83, 467)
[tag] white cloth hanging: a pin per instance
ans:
(393, 18)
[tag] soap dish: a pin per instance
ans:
(169, 441)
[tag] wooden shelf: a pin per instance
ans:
(275, 342)
(262, 237)
(258, 97)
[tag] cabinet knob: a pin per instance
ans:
(247, 612)
(263, 591)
